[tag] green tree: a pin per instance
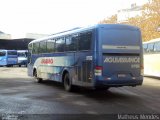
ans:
(148, 22)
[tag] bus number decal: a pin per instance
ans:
(135, 66)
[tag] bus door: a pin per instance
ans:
(77, 54)
(84, 67)
(84, 58)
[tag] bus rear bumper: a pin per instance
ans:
(118, 83)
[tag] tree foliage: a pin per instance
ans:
(148, 22)
(110, 20)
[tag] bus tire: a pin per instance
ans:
(38, 80)
(67, 83)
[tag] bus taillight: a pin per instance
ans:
(98, 70)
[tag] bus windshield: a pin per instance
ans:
(22, 54)
(12, 53)
(2, 53)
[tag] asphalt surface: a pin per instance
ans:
(19, 94)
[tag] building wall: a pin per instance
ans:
(15, 44)
(124, 14)
(4, 35)
(35, 35)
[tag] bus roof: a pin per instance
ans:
(107, 26)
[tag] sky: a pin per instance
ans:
(19, 17)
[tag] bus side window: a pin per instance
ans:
(2, 53)
(42, 47)
(157, 47)
(50, 45)
(35, 48)
(84, 42)
(71, 43)
(145, 48)
(60, 44)
(150, 47)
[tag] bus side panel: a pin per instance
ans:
(51, 66)
(12, 60)
(84, 68)
(61, 62)
(3, 61)
(9, 58)
(30, 70)
(32, 58)
(12, 57)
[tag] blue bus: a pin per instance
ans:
(8, 57)
(99, 56)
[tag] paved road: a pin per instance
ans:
(19, 94)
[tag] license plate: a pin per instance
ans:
(121, 75)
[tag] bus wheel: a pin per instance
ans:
(38, 80)
(67, 83)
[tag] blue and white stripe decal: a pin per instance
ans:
(52, 65)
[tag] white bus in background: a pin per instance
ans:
(22, 57)
(152, 57)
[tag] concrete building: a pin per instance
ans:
(35, 35)
(4, 35)
(15, 44)
(124, 14)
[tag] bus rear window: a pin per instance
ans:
(121, 37)
(2, 53)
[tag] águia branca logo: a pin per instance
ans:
(122, 60)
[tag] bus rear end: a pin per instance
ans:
(119, 56)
